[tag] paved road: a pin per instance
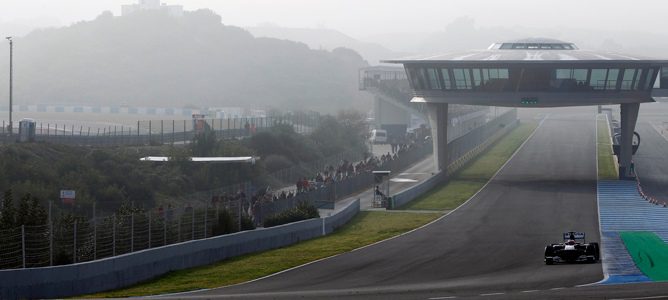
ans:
(651, 161)
(492, 244)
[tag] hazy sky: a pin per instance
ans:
(364, 17)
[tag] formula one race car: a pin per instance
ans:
(572, 250)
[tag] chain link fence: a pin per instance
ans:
(156, 132)
(73, 240)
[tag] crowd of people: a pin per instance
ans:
(330, 174)
(336, 173)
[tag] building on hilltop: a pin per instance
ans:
(172, 10)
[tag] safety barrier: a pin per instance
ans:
(649, 198)
(124, 270)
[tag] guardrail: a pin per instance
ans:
(120, 271)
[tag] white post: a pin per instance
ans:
(132, 232)
(164, 231)
(94, 239)
(50, 236)
(149, 229)
(23, 244)
(113, 236)
(94, 230)
(50, 241)
(74, 243)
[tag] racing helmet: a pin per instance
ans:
(570, 242)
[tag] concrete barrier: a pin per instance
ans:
(124, 270)
(404, 197)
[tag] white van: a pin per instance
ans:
(378, 136)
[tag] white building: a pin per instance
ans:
(173, 10)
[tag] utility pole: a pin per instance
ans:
(11, 62)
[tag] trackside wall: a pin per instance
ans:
(124, 270)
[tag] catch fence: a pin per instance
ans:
(73, 240)
(157, 132)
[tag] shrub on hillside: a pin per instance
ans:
(303, 211)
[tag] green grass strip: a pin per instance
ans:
(366, 228)
(606, 163)
(649, 253)
(465, 183)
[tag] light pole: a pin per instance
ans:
(11, 62)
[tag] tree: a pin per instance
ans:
(7, 219)
(204, 143)
(23, 214)
(37, 213)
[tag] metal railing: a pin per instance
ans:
(66, 241)
(153, 132)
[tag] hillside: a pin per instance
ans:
(152, 58)
(327, 39)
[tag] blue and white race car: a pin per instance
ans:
(573, 249)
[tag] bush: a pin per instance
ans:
(303, 211)
(225, 223)
(247, 223)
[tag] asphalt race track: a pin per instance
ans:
(492, 246)
(651, 162)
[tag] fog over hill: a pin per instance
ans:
(151, 58)
(463, 34)
(323, 38)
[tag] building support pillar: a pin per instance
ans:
(629, 116)
(438, 120)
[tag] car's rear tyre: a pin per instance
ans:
(549, 252)
(597, 250)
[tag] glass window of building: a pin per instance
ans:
(664, 78)
(422, 78)
(648, 79)
(434, 81)
(477, 78)
(611, 83)
(636, 80)
(446, 78)
(493, 79)
(412, 77)
(506, 46)
(570, 79)
(627, 79)
(462, 79)
(598, 78)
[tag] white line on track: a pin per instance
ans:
(557, 288)
(604, 257)
(530, 291)
(641, 298)
(439, 298)
(492, 294)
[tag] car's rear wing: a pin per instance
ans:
(574, 236)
